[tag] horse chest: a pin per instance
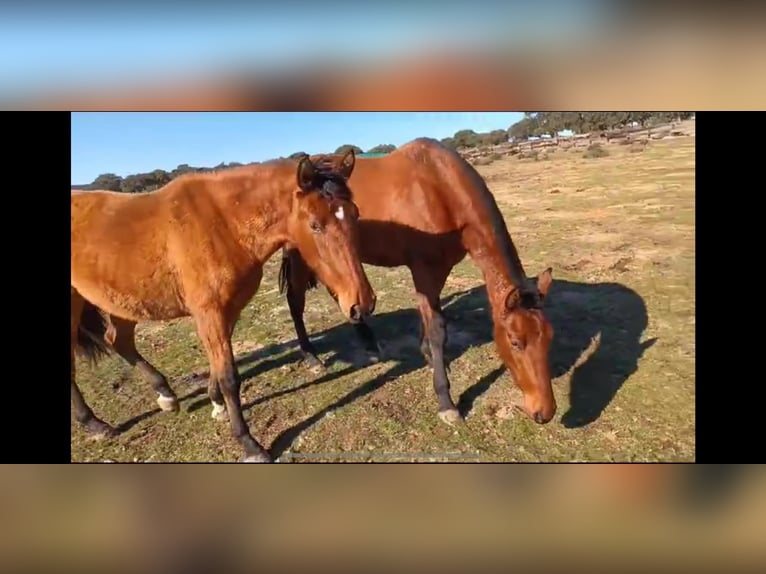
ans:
(235, 293)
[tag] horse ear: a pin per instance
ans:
(347, 163)
(512, 299)
(544, 281)
(306, 173)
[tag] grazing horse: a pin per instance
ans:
(423, 206)
(196, 247)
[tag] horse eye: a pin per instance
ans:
(516, 344)
(316, 227)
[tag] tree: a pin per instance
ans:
(297, 155)
(107, 181)
(131, 184)
(181, 169)
(450, 143)
(345, 147)
(524, 128)
(161, 177)
(495, 137)
(466, 138)
(382, 148)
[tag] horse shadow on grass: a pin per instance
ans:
(598, 330)
(597, 336)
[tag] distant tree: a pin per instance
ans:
(139, 182)
(297, 155)
(382, 148)
(345, 147)
(160, 177)
(467, 138)
(450, 143)
(524, 128)
(107, 181)
(181, 169)
(494, 137)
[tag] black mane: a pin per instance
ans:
(330, 184)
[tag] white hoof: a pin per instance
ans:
(450, 417)
(219, 412)
(257, 458)
(167, 404)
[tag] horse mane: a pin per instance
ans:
(328, 182)
(529, 297)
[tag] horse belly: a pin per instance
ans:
(393, 245)
(132, 294)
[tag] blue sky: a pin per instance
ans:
(125, 143)
(77, 45)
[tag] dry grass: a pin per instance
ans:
(619, 233)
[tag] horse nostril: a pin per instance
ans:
(355, 314)
(539, 418)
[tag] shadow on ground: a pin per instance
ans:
(605, 319)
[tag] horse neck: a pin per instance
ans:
(492, 250)
(259, 213)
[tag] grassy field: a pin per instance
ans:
(619, 234)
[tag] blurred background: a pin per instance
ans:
(185, 518)
(580, 54)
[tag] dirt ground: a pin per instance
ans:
(619, 234)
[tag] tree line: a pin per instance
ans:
(531, 125)
(155, 179)
(552, 123)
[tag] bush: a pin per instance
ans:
(595, 150)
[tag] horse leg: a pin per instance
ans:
(425, 344)
(122, 338)
(297, 285)
(215, 333)
(97, 428)
(366, 335)
(369, 341)
(429, 282)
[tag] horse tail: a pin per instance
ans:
(284, 273)
(91, 344)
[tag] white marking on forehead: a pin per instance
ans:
(339, 213)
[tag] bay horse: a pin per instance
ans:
(425, 207)
(196, 247)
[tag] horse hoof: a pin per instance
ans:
(450, 416)
(168, 404)
(99, 430)
(219, 413)
(314, 363)
(260, 457)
